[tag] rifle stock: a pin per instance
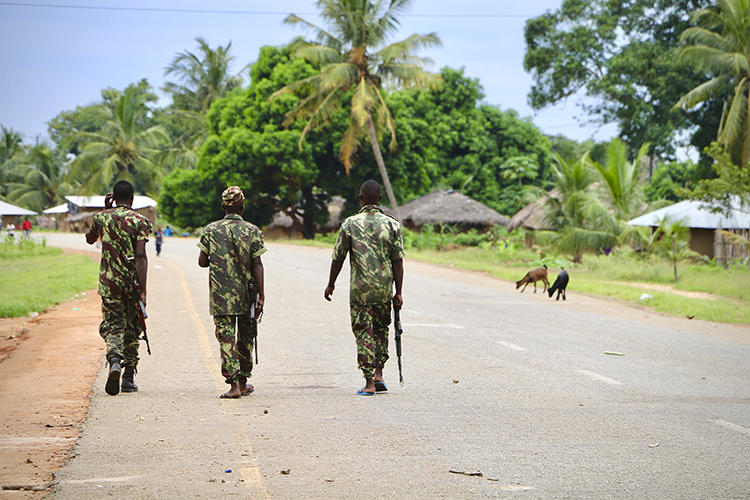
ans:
(142, 315)
(399, 331)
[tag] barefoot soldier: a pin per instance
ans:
(376, 251)
(231, 249)
(124, 234)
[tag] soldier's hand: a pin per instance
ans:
(397, 301)
(109, 200)
(143, 298)
(329, 292)
(259, 306)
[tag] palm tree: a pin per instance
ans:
(672, 242)
(583, 223)
(203, 77)
(620, 178)
(355, 65)
(719, 45)
(122, 149)
(42, 180)
(10, 141)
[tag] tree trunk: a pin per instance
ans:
(674, 258)
(308, 222)
(381, 167)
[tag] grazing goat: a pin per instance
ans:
(540, 273)
(560, 284)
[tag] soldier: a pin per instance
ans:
(124, 234)
(376, 251)
(231, 248)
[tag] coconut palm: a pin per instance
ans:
(123, 149)
(672, 242)
(202, 77)
(355, 64)
(42, 180)
(620, 180)
(10, 141)
(719, 46)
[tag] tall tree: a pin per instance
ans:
(202, 76)
(124, 148)
(41, 178)
(620, 56)
(355, 64)
(719, 47)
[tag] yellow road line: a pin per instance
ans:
(250, 472)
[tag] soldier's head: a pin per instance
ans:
(233, 200)
(369, 193)
(123, 192)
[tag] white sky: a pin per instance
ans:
(53, 59)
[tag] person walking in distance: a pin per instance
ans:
(122, 280)
(159, 238)
(231, 249)
(376, 251)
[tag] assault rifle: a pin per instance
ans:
(142, 315)
(399, 331)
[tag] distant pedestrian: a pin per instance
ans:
(124, 234)
(376, 251)
(26, 226)
(11, 229)
(159, 237)
(231, 249)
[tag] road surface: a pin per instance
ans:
(514, 386)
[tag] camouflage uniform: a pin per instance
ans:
(120, 228)
(231, 244)
(372, 240)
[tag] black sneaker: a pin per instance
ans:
(113, 379)
(128, 385)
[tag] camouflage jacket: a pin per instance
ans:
(372, 240)
(231, 244)
(119, 229)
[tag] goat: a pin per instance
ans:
(560, 284)
(540, 273)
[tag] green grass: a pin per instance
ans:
(596, 274)
(34, 277)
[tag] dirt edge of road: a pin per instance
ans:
(47, 370)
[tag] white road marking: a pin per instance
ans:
(102, 480)
(436, 325)
(512, 346)
(730, 425)
(600, 378)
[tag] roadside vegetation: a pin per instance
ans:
(34, 277)
(705, 290)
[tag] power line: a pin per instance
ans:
(236, 12)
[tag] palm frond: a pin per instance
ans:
(701, 93)
(710, 60)
(701, 36)
(321, 35)
(734, 126)
(317, 54)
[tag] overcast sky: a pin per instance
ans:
(53, 58)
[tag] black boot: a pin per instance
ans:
(128, 385)
(113, 379)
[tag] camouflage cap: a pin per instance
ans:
(232, 196)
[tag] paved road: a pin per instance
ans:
(513, 386)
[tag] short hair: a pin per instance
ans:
(370, 191)
(123, 191)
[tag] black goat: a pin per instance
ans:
(560, 284)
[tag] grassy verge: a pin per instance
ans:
(621, 277)
(34, 277)
(729, 287)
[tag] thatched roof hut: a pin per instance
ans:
(533, 215)
(451, 208)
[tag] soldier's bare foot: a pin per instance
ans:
(246, 389)
(233, 392)
(368, 389)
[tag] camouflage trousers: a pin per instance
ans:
(370, 324)
(236, 346)
(120, 329)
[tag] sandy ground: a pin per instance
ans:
(47, 367)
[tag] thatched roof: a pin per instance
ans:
(451, 208)
(531, 216)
